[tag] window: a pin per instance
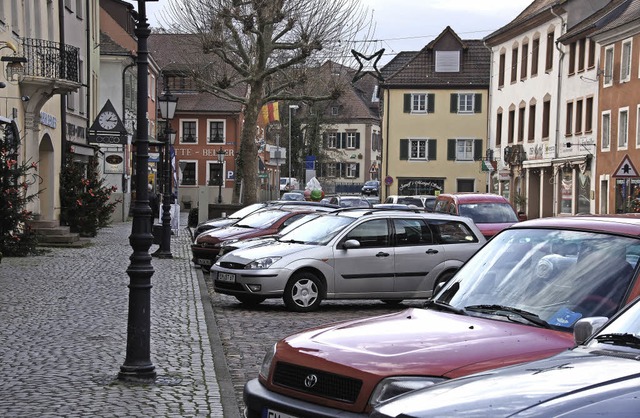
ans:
(351, 140)
(521, 113)
(608, 66)
(502, 70)
(79, 9)
(188, 173)
(535, 50)
(514, 64)
(623, 124)
(578, 128)
(412, 232)
(152, 87)
(447, 61)
(464, 149)
(546, 113)
(638, 127)
(532, 123)
(215, 174)
(352, 170)
(606, 130)
(582, 45)
(189, 135)
(588, 117)
(569, 124)
(511, 126)
(549, 57)
(524, 61)
(572, 58)
(332, 170)
(499, 129)
(466, 185)
(216, 132)
(334, 110)
(332, 140)
(591, 60)
(625, 66)
(419, 103)
(374, 233)
(418, 150)
(465, 103)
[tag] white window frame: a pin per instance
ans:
(332, 140)
(182, 135)
(335, 111)
(351, 170)
(419, 102)
(152, 88)
(464, 149)
(608, 66)
(224, 132)
(332, 170)
(625, 61)
(623, 128)
(605, 135)
(224, 177)
(421, 154)
(181, 177)
(351, 140)
(466, 102)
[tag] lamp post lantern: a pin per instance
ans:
(167, 104)
(221, 153)
(137, 365)
(290, 108)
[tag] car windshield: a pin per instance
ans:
(558, 276)
(318, 231)
(295, 224)
(489, 213)
(411, 201)
(354, 203)
(261, 219)
(239, 214)
(371, 183)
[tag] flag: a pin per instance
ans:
(270, 113)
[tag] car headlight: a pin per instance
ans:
(266, 362)
(262, 263)
(393, 386)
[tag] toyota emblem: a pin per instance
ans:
(311, 380)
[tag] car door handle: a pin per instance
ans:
(381, 254)
(432, 251)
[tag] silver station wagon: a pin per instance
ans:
(354, 253)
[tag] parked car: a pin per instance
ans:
(266, 221)
(423, 202)
(516, 300)
(491, 212)
(228, 220)
(350, 201)
(371, 188)
(353, 253)
(288, 184)
(599, 377)
(292, 196)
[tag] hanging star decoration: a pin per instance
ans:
(360, 57)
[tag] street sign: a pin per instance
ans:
(626, 169)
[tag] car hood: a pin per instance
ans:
(423, 342)
(567, 382)
(273, 249)
(217, 223)
(228, 232)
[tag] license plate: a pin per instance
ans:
(226, 277)
(204, 262)
(270, 413)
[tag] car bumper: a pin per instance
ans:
(259, 399)
(271, 282)
(204, 256)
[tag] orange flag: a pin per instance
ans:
(270, 113)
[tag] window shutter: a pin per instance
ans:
(431, 108)
(357, 139)
(343, 170)
(454, 103)
(357, 169)
(325, 140)
(451, 149)
(404, 149)
(342, 140)
(431, 149)
(407, 103)
(477, 149)
(477, 103)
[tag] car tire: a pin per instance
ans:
(392, 302)
(442, 281)
(250, 300)
(303, 292)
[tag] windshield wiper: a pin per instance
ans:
(443, 306)
(529, 316)
(292, 241)
(629, 340)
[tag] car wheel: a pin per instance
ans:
(392, 302)
(442, 281)
(303, 292)
(250, 300)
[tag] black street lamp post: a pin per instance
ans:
(137, 366)
(167, 103)
(221, 153)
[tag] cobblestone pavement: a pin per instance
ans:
(64, 326)
(247, 333)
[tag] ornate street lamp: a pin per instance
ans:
(137, 365)
(221, 153)
(167, 104)
(289, 156)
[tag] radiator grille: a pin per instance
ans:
(327, 385)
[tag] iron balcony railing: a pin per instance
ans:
(49, 59)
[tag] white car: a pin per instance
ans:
(353, 253)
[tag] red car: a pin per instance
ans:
(491, 212)
(266, 221)
(516, 300)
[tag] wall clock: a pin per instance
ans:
(108, 120)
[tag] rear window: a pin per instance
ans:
(407, 200)
(489, 213)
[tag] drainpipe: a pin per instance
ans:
(558, 103)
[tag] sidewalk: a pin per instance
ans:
(63, 333)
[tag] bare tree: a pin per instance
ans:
(258, 51)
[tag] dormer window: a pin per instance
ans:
(447, 61)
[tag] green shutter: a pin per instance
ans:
(357, 170)
(453, 108)
(407, 103)
(431, 149)
(477, 149)
(451, 149)
(477, 103)
(357, 139)
(404, 149)
(431, 107)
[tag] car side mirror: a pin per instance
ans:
(351, 243)
(586, 327)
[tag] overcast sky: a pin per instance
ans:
(408, 25)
